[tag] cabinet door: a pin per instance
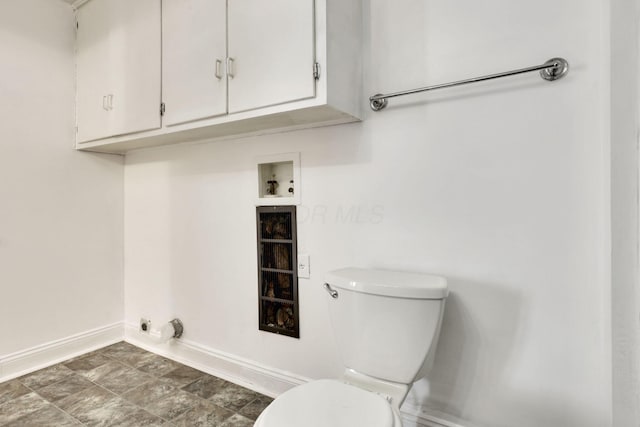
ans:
(271, 52)
(194, 49)
(92, 70)
(118, 68)
(135, 65)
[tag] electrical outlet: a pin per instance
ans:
(145, 325)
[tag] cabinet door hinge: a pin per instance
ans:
(162, 108)
(316, 70)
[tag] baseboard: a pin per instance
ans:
(23, 362)
(250, 374)
(419, 417)
(244, 372)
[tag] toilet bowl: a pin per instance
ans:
(386, 325)
(329, 403)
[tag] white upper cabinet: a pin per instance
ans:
(269, 60)
(271, 52)
(194, 52)
(118, 68)
(229, 67)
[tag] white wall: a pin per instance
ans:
(502, 187)
(624, 213)
(60, 210)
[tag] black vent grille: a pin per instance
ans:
(277, 277)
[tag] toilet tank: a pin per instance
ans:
(386, 323)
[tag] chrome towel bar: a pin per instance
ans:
(553, 69)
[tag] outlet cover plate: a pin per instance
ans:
(304, 269)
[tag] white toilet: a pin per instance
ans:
(386, 325)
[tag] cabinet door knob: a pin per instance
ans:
(230, 70)
(110, 103)
(104, 103)
(218, 65)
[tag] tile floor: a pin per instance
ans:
(123, 385)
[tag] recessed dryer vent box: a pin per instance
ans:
(279, 180)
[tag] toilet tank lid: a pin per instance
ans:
(389, 283)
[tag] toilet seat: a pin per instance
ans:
(328, 403)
